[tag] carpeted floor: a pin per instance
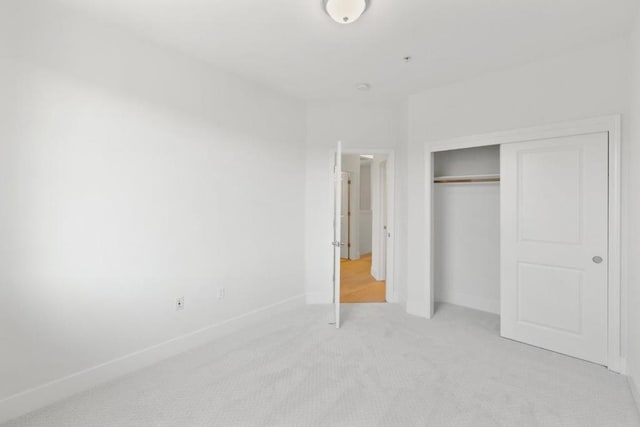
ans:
(383, 368)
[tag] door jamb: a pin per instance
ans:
(611, 124)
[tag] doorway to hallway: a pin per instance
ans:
(358, 285)
(364, 231)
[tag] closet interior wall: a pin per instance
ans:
(466, 219)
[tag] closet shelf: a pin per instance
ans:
(466, 179)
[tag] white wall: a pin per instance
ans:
(360, 124)
(365, 208)
(131, 175)
(466, 232)
(469, 161)
(579, 84)
(365, 185)
(365, 232)
(634, 217)
(467, 245)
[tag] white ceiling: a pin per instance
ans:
(294, 46)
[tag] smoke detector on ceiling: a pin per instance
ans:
(345, 11)
(363, 87)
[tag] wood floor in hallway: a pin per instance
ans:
(356, 282)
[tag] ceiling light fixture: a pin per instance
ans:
(345, 11)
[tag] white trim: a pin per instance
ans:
(635, 391)
(616, 361)
(320, 297)
(390, 285)
(610, 124)
(554, 130)
(379, 206)
(419, 308)
(338, 185)
(48, 393)
(470, 301)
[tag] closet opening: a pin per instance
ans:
(466, 228)
(525, 224)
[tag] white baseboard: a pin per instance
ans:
(46, 394)
(635, 389)
(319, 298)
(418, 308)
(392, 297)
(471, 301)
(618, 365)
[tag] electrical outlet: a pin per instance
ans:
(179, 303)
(220, 293)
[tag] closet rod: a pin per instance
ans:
(466, 179)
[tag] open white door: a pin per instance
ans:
(345, 216)
(554, 238)
(384, 234)
(337, 210)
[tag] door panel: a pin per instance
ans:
(553, 222)
(337, 210)
(536, 283)
(539, 171)
(344, 216)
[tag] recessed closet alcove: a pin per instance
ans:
(466, 209)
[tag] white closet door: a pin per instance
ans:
(554, 244)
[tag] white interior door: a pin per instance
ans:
(337, 210)
(554, 244)
(383, 219)
(345, 216)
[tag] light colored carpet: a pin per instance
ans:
(383, 368)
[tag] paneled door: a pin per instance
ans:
(337, 211)
(554, 244)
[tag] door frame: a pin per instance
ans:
(616, 339)
(391, 292)
(383, 212)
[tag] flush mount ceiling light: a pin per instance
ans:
(345, 11)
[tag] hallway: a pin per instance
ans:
(356, 282)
